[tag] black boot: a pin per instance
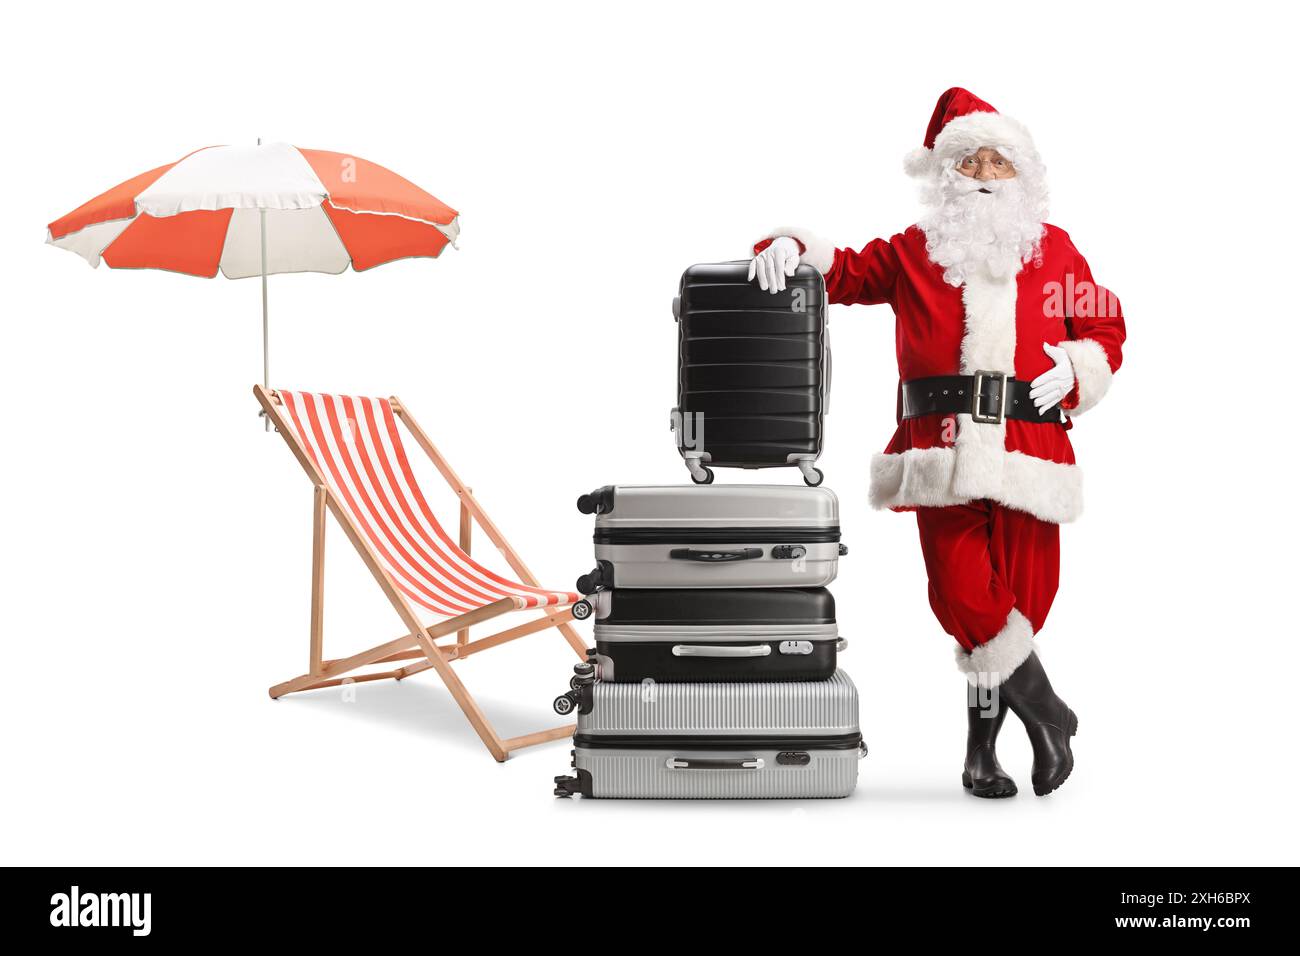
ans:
(1048, 721)
(983, 775)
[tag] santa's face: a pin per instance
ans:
(982, 218)
(986, 164)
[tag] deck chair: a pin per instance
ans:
(352, 450)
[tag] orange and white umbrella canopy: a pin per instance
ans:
(320, 210)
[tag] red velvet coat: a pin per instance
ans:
(983, 325)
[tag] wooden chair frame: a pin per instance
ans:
(419, 644)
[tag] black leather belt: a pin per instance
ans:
(988, 397)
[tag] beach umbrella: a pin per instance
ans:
(259, 210)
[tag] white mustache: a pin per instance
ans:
(965, 185)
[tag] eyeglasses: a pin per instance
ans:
(998, 162)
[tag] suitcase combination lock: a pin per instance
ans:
(789, 552)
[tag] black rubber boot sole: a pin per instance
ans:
(998, 792)
(1071, 728)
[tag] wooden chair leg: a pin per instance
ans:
(319, 510)
(466, 540)
(504, 637)
(478, 720)
(577, 643)
(342, 666)
(541, 737)
(359, 679)
(431, 656)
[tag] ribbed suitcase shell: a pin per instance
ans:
(644, 525)
(730, 634)
(805, 735)
(644, 774)
(800, 708)
(754, 366)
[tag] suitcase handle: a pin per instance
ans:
(694, 554)
(826, 388)
(722, 650)
(738, 763)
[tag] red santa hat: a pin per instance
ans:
(962, 124)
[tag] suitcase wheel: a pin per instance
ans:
(600, 577)
(565, 704)
(583, 673)
(702, 477)
(581, 611)
(812, 477)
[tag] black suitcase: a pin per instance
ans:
(724, 634)
(753, 371)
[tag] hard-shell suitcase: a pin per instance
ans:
(721, 536)
(727, 634)
(753, 371)
(794, 739)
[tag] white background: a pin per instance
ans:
(156, 541)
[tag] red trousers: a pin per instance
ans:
(983, 560)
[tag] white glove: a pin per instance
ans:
(1054, 384)
(774, 263)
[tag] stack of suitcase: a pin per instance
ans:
(715, 667)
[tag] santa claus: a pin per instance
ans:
(1003, 338)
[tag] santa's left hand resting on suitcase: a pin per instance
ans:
(771, 266)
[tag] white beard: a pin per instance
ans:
(971, 233)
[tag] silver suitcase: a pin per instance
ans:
(713, 536)
(716, 741)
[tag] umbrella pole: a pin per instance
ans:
(266, 325)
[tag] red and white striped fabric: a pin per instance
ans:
(202, 214)
(356, 443)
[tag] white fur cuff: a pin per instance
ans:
(1091, 372)
(938, 477)
(993, 662)
(818, 253)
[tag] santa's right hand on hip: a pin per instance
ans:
(773, 264)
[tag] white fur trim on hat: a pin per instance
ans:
(1091, 372)
(818, 253)
(992, 662)
(968, 134)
